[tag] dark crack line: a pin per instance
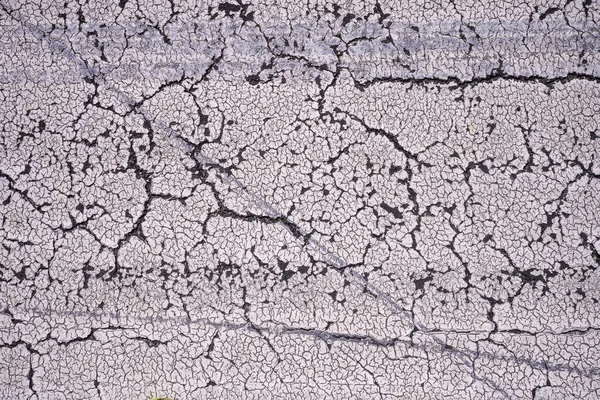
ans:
(282, 329)
(461, 84)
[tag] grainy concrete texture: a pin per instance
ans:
(299, 199)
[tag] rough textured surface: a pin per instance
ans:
(305, 200)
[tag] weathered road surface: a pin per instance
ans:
(301, 200)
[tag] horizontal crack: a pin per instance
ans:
(283, 329)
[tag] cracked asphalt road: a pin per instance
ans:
(352, 200)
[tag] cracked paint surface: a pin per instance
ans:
(299, 200)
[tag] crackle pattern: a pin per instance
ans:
(267, 200)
